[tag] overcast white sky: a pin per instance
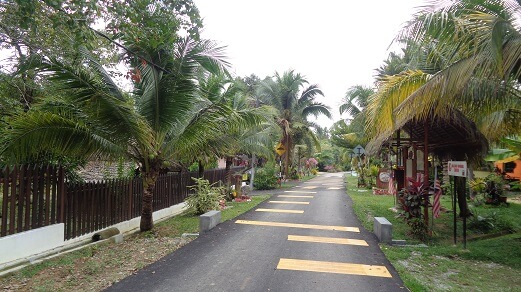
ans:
(334, 43)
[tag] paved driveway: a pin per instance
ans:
(302, 239)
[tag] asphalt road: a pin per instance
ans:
(250, 257)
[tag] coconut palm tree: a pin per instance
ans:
(475, 45)
(295, 103)
(94, 118)
(249, 136)
(355, 100)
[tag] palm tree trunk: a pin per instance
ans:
(200, 169)
(288, 155)
(149, 184)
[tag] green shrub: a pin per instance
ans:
(489, 223)
(265, 178)
(206, 197)
(417, 228)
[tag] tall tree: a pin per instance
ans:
(475, 44)
(94, 118)
(470, 61)
(355, 100)
(295, 103)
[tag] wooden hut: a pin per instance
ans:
(413, 140)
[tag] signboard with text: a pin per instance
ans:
(457, 168)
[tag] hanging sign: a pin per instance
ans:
(457, 168)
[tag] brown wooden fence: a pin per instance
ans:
(31, 198)
(34, 197)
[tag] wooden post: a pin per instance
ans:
(426, 174)
(61, 195)
(454, 204)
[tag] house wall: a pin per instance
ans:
(517, 170)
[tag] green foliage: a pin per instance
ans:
(293, 173)
(489, 222)
(205, 198)
(265, 178)
(459, 269)
(194, 166)
(418, 229)
(515, 186)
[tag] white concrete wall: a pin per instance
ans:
(41, 242)
(30, 242)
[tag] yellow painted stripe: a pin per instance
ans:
(294, 196)
(333, 240)
(305, 192)
(289, 202)
(333, 267)
(297, 225)
(280, 211)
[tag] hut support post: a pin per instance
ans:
(426, 175)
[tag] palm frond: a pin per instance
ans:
(37, 133)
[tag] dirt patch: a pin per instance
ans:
(95, 267)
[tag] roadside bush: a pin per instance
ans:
(265, 178)
(206, 197)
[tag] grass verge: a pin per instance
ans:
(97, 266)
(491, 264)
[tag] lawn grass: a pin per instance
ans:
(491, 264)
(96, 266)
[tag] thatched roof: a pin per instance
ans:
(453, 136)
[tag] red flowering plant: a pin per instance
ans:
(413, 200)
(414, 197)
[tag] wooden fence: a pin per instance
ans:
(33, 197)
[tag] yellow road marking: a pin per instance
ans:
(294, 196)
(333, 267)
(289, 202)
(328, 240)
(297, 225)
(280, 211)
(305, 192)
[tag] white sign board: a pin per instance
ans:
(457, 168)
